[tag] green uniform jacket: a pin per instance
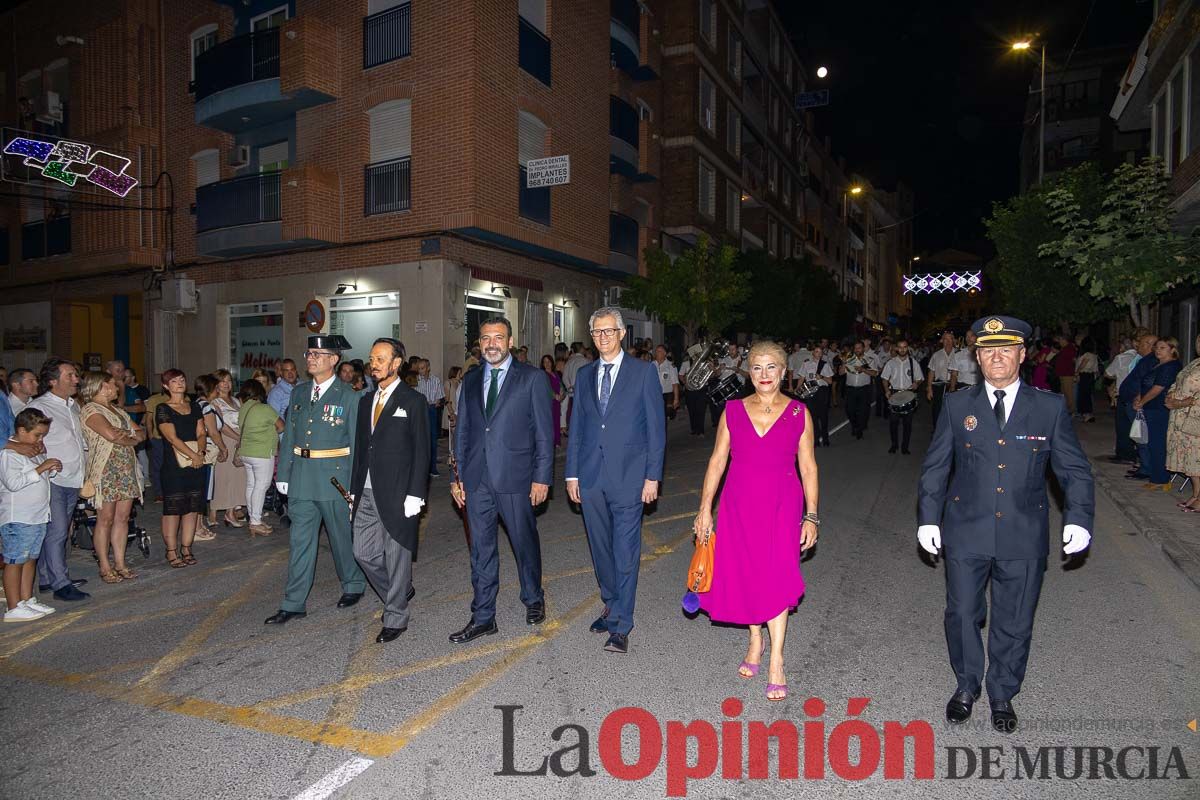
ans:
(327, 425)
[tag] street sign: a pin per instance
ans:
(314, 316)
(812, 99)
(553, 171)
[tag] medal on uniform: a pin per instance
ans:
(970, 423)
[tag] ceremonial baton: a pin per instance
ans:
(349, 498)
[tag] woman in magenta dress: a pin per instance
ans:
(767, 516)
(556, 395)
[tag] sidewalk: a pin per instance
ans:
(1152, 513)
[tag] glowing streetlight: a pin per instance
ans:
(856, 190)
(1024, 45)
(822, 72)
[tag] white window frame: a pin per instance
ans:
(371, 120)
(645, 112)
(200, 33)
(284, 8)
(709, 121)
(706, 190)
(735, 52)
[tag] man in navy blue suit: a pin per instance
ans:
(505, 453)
(614, 466)
(984, 485)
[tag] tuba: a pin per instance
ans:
(702, 355)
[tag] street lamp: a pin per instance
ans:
(1021, 46)
(822, 72)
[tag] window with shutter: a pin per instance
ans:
(733, 132)
(707, 189)
(208, 167)
(708, 104)
(534, 12)
(273, 157)
(376, 6)
(531, 138)
(733, 208)
(391, 131)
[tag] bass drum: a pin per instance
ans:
(902, 403)
(726, 389)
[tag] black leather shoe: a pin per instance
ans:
(601, 623)
(389, 634)
(347, 600)
(79, 581)
(412, 592)
(958, 710)
(70, 594)
(906, 452)
(1137, 476)
(1004, 719)
(893, 449)
(535, 614)
(617, 643)
(281, 616)
(472, 631)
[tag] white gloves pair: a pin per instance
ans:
(412, 505)
(1075, 539)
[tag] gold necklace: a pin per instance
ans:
(764, 406)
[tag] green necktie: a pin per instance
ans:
(493, 390)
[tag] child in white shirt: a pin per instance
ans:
(24, 512)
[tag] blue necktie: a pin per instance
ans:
(605, 387)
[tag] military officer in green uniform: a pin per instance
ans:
(316, 447)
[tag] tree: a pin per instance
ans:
(1127, 253)
(702, 289)
(1034, 287)
(773, 306)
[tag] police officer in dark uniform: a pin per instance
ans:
(321, 420)
(984, 485)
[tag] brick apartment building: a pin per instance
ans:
(1160, 90)
(359, 167)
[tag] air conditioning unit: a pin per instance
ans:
(179, 295)
(49, 108)
(239, 156)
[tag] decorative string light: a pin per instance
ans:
(67, 161)
(954, 282)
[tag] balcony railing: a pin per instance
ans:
(534, 51)
(628, 13)
(240, 201)
(45, 238)
(622, 234)
(534, 204)
(387, 35)
(622, 120)
(243, 59)
(387, 186)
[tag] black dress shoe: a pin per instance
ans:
(1004, 719)
(412, 592)
(906, 452)
(76, 582)
(79, 581)
(893, 449)
(958, 710)
(347, 600)
(388, 634)
(1137, 476)
(617, 643)
(70, 594)
(535, 614)
(601, 623)
(473, 631)
(281, 616)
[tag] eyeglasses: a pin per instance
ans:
(605, 333)
(317, 353)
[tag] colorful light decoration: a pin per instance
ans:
(68, 161)
(954, 282)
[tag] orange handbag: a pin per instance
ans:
(701, 569)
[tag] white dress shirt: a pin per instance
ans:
(940, 364)
(64, 441)
(859, 379)
(668, 376)
(797, 359)
(729, 366)
(24, 495)
(808, 370)
(381, 398)
(1010, 396)
(1122, 365)
(324, 385)
(616, 362)
(17, 404)
(966, 366)
(898, 375)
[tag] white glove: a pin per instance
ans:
(1075, 539)
(930, 537)
(281, 486)
(412, 506)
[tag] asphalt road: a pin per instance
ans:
(171, 686)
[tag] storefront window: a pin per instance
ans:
(255, 338)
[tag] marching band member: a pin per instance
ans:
(901, 373)
(816, 368)
(859, 373)
(964, 371)
(940, 364)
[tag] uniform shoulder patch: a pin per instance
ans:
(1044, 391)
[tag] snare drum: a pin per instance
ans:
(725, 389)
(904, 402)
(810, 388)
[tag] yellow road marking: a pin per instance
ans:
(365, 660)
(192, 643)
(365, 742)
(169, 612)
(43, 630)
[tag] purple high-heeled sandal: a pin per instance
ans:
(776, 687)
(752, 668)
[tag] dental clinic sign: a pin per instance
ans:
(72, 164)
(553, 171)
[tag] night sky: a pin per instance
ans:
(929, 92)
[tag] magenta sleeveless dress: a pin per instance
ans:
(756, 562)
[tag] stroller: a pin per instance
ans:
(83, 524)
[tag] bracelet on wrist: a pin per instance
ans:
(813, 518)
